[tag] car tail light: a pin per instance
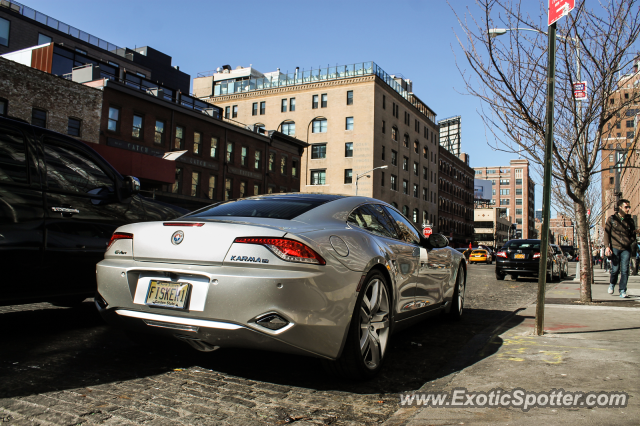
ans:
(501, 254)
(119, 236)
(286, 249)
(536, 255)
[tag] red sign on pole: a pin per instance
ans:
(580, 90)
(560, 8)
(427, 231)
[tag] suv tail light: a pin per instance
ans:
(501, 254)
(536, 255)
(286, 249)
(119, 236)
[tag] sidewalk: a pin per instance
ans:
(586, 348)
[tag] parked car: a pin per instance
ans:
(480, 255)
(522, 258)
(326, 276)
(59, 204)
(562, 259)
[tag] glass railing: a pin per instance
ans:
(67, 29)
(322, 74)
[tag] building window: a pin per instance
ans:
(4, 107)
(283, 164)
(630, 135)
(272, 161)
(405, 211)
(348, 149)
(263, 107)
(5, 26)
(254, 108)
(405, 164)
(611, 158)
(283, 105)
(158, 137)
(197, 141)
(176, 188)
(229, 156)
(73, 127)
(415, 168)
(504, 201)
(320, 126)
(394, 133)
(518, 181)
(518, 201)
(383, 152)
(256, 189)
(234, 111)
(425, 194)
(416, 147)
(415, 215)
(292, 104)
(227, 112)
(629, 123)
(348, 175)
(394, 182)
(519, 221)
(610, 181)
(318, 177)
(518, 191)
(39, 117)
(405, 186)
(323, 103)
(228, 183)
(425, 173)
(415, 190)
(314, 102)
(405, 140)
(384, 102)
(243, 156)
(384, 127)
(257, 164)
(504, 181)
(114, 119)
(349, 97)
(43, 39)
(195, 184)
(394, 158)
(179, 142)
(518, 211)
(212, 188)
(505, 191)
(382, 179)
(289, 128)
(213, 152)
(318, 151)
(243, 189)
(425, 153)
(294, 168)
(349, 124)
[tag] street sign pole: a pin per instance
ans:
(546, 196)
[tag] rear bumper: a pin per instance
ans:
(520, 268)
(316, 301)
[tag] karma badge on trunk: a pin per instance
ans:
(177, 238)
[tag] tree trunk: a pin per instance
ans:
(585, 254)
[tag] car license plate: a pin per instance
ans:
(168, 294)
(518, 256)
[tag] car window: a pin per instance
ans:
(528, 245)
(373, 219)
(271, 207)
(73, 171)
(13, 164)
(407, 231)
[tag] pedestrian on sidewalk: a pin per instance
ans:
(619, 234)
(603, 264)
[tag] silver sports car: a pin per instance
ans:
(319, 275)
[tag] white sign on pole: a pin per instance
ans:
(580, 90)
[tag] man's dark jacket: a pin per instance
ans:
(619, 233)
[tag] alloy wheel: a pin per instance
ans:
(374, 323)
(461, 288)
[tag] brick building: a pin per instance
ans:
(455, 197)
(562, 230)
(355, 118)
(513, 189)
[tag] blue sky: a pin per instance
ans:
(414, 38)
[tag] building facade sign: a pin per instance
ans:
(116, 143)
(245, 173)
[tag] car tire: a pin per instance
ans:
(514, 277)
(489, 261)
(363, 355)
(457, 300)
(500, 276)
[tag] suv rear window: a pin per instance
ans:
(272, 207)
(520, 245)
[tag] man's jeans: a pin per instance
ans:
(620, 260)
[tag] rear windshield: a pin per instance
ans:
(519, 245)
(274, 208)
(478, 252)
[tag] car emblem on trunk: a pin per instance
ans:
(177, 238)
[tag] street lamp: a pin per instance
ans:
(365, 173)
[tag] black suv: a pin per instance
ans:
(60, 202)
(522, 258)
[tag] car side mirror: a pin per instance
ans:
(438, 241)
(131, 185)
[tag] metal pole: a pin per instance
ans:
(546, 197)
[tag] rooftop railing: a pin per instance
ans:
(227, 87)
(61, 26)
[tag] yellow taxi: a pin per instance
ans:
(480, 255)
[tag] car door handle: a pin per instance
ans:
(65, 210)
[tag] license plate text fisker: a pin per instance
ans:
(168, 294)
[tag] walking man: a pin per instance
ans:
(619, 234)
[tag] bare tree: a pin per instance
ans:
(509, 75)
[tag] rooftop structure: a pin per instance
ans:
(450, 133)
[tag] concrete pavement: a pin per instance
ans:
(586, 348)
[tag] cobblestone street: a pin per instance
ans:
(65, 366)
